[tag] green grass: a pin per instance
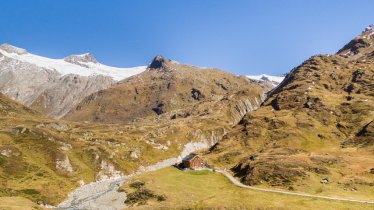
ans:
(205, 189)
(198, 172)
(17, 203)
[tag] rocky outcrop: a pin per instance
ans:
(242, 107)
(157, 63)
(12, 49)
(107, 171)
(9, 151)
(81, 59)
(63, 164)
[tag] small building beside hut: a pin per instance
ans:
(193, 161)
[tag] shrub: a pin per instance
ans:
(30, 191)
(142, 195)
(161, 197)
(137, 184)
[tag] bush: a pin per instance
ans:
(139, 197)
(161, 198)
(142, 195)
(137, 184)
(39, 174)
(29, 191)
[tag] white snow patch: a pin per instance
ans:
(369, 28)
(265, 77)
(64, 68)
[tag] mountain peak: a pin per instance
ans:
(157, 62)
(274, 80)
(13, 49)
(369, 28)
(361, 45)
(83, 58)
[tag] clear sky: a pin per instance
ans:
(240, 36)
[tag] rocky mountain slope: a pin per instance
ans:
(171, 90)
(314, 130)
(54, 86)
(43, 159)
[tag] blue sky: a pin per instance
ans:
(240, 36)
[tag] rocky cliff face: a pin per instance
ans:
(53, 86)
(66, 92)
(45, 89)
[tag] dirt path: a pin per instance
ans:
(239, 184)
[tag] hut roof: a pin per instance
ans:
(190, 157)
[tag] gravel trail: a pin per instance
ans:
(239, 184)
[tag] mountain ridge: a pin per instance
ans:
(319, 119)
(54, 86)
(71, 64)
(165, 87)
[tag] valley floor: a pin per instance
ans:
(17, 203)
(205, 189)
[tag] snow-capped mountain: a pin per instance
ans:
(54, 86)
(83, 65)
(274, 80)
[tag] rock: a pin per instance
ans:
(107, 171)
(81, 182)
(134, 155)
(9, 151)
(157, 63)
(63, 164)
(57, 126)
(12, 49)
(242, 107)
(325, 180)
(81, 59)
(372, 170)
(253, 157)
(19, 129)
(197, 94)
(159, 109)
(23, 130)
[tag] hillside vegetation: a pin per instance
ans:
(315, 131)
(43, 159)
